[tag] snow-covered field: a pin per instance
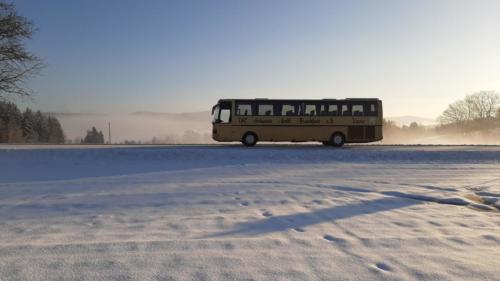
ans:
(293, 212)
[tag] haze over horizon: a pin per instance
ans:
(182, 56)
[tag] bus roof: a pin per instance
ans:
(325, 99)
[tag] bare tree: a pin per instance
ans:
(16, 63)
(478, 106)
(457, 112)
(483, 103)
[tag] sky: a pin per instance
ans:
(182, 56)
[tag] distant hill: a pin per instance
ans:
(74, 114)
(408, 119)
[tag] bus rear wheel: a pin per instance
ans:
(337, 140)
(249, 139)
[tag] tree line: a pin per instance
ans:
(28, 126)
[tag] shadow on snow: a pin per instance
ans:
(301, 220)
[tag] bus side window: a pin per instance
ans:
(371, 109)
(333, 110)
(309, 110)
(346, 110)
(288, 110)
(244, 109)
(323, 110)
(225, 115)
(265, 109)
(357, 110)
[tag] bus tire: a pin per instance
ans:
(337, 139)
(249, 139)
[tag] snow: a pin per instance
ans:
(272, 212)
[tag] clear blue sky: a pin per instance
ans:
(174, 56)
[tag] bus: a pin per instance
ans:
(329, 121)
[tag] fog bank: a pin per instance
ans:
(141, 126)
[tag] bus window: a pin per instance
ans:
(288, 109)
(329, 110)
(333, 110)
(309, 109)
(225, 112)
(323, 110)
(371, 109)
(215, 114)
(225, 116)
(265, 110)
(357, 110)
(244, 109)
(346, 110)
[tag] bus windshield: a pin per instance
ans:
(215, 114)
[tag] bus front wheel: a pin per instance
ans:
(337, 140)
(249, 139)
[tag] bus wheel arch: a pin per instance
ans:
(337, 139)
(249, 138)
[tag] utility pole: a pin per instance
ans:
(109, 132)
